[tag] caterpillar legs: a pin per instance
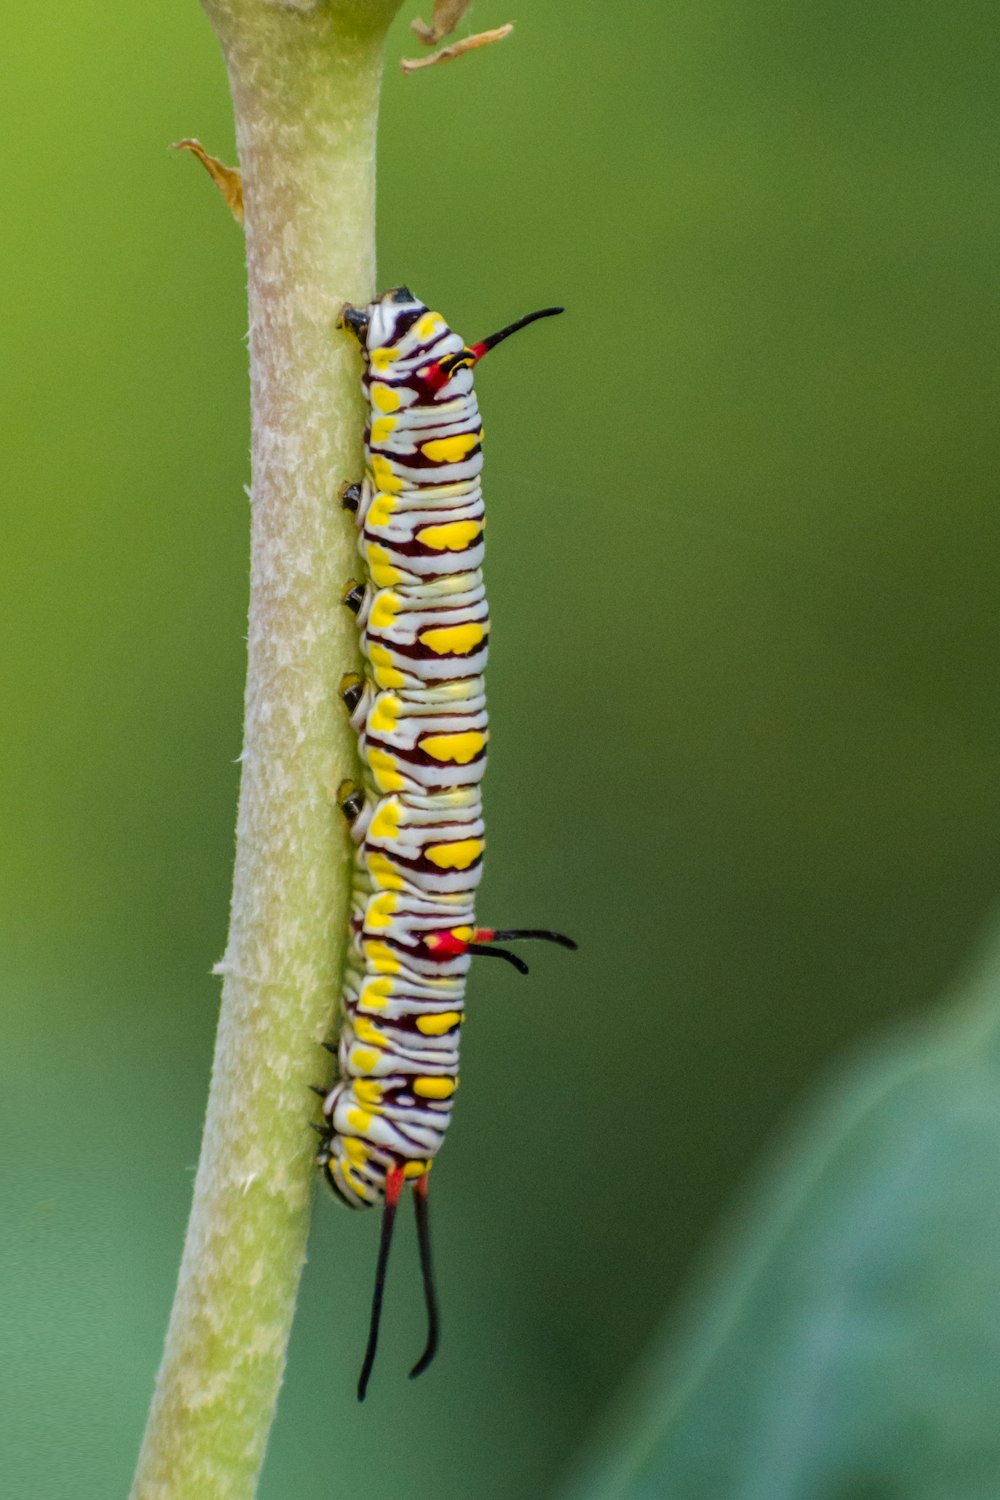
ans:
(350, 496)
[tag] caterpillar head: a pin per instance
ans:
(386, 321)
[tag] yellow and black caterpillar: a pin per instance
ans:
(420, 714)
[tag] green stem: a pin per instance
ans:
(305, 79)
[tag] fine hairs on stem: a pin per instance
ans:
(305, 81)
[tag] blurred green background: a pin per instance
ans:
(744, 682)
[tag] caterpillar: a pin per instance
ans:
(416, 819)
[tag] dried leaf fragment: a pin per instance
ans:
(457, 49)
(228, 180)
(446, 16)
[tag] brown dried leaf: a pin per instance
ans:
(227, 179)
(456, 49)
(447, 14)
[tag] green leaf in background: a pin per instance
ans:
(847, 1345)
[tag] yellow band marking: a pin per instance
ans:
(434, 1088)
(385, 824)
(437, 1025)
(383, 768)
(352, 1179)
(457, 856)
(368, 1091)
(384, 398)
(383, 720)
(366, 1031)
(381, 958)
(382, 427)
(430, 324)
(382, 359)
(381, 567)
(450, 450)
(416, 1168)
(454, 640)
(375, 995)
(359, 1120)
(384, 610)
(456, 748)
(379, 913)
(385, 673)
(383, 475)
(380, 511)
(385, 876)
(450, 536)
(355, 1150)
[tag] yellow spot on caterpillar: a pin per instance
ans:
(383, 719)
(381, 428)
(430, 324)
(453, 536)
(383, 475)
(439, 1024)
(351, 1178)
(366, 1031)
(385, 824)
(386, 674)
(383, 768)
(384, 873)
(380, 511)
(453, 639)
(368, 1091)
(457, 748)
(384, 397)
(355, 1150)
(457, 856)
(375, 995)
(381, 567)
(416, 1168)
(434, 940)
(451, 450)
(363, 1059)
(384, 611)
(380, 912)
(381, 957)
(434, 1088)
(359, 1120)
(382, 359)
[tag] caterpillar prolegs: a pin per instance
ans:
(416, 821)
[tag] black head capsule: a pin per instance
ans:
(353, 596)
(352, 688)
(350, 497)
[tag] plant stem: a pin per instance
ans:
(305, 80)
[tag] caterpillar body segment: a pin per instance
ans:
(420, 714)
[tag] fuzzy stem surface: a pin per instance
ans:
(305, 81)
